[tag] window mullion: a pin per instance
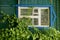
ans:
(19, 12)
(39, 18)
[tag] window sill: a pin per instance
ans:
(37, 26)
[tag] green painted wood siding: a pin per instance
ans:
(58, 14)
(56, 5)
(41, 2)
(7, 6)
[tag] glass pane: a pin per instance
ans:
(44, 17)
(35, 21)
(26, 20)
(35, 10)
(35, 14)
(26, 11)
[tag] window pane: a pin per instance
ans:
(26, 11)
(35, 21)
(35, 14)
(35, 10)
(44, 17)
(26, 20)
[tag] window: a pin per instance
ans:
(26, 12)
(35, 10)
(39, 15)
(44, 17)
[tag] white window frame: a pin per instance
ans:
(39, 15)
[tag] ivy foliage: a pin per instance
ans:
(17, 29)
